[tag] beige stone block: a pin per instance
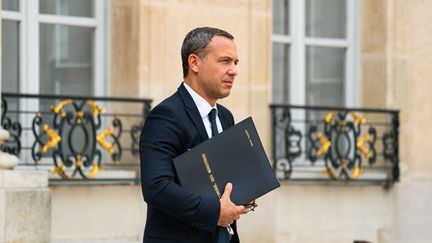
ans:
(373, 32)
(259, 226)
(420, 29)
(416, 118)
(23, 179)
(2, 214)
(124, 18)
(260, 111)
(99, 213)
(320, 213)
(25, 206)
(374, 81)
(399, 83)
(27, 215)
(165, 72)
(413, 216)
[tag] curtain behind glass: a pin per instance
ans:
(78, 8)
(325, 75)
(281, 17)
(326, 18)
(10, 5)
(281, 67)
(66, 60)
(10, 56)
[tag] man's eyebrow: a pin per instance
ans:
(230, 58)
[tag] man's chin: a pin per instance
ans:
(224, 95)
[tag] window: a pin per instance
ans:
(54, 46)
(11, 28)
(314, 52)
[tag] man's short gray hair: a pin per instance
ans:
(196, 42)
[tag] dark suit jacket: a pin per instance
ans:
(174, 214)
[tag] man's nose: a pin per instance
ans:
(233, 70)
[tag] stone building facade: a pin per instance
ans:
(394, 52)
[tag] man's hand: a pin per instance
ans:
(228, 210)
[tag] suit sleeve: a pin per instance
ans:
(160, 142)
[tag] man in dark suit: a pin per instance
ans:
(179, 123)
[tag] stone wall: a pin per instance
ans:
(145, 50)
(97, 213)
(25, 207)
(395, 60)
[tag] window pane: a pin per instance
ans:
(325, 72)
(281, 17)
(326, 18)
(10, 56)
(80, 8)
(11, 5)
(281, 72)
(66, 60)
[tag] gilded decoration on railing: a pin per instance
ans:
(70, 138)
(13, 144)
(391, 146)
(136, 131)
(135, 135)
(341, 145)
(113, 148)
(54, 139)
(102, 142)
(291, 138)
(335, 144)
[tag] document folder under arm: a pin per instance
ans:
(235, 155)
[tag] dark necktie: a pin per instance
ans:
(223, 236)
(212, 118)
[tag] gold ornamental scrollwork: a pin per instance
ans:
(54, 139)
(61, 171)
(58, 109)
(361, 145)
(96, 110)
(103, 142)
(325, 144)
(339, 161)
(73, 156)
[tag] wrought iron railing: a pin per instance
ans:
(335, 145)
(79, 139)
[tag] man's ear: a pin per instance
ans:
(194, 62)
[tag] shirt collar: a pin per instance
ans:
(203, 106)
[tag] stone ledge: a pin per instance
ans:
(23, 179)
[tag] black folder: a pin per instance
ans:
(236, 155)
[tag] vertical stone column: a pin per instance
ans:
(25, 206)
(25, 200)
(7, 161)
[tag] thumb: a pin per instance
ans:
(228, 190)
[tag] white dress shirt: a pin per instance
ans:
(204, 109)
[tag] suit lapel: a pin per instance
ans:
(193, 113)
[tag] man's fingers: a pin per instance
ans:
(241, 209)
(227, 191)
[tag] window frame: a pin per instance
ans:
(298, 42)
(29, 60)
(29, 20)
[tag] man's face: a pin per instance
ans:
(218, 69)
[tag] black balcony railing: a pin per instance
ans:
(79, 139)
(335, 144)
